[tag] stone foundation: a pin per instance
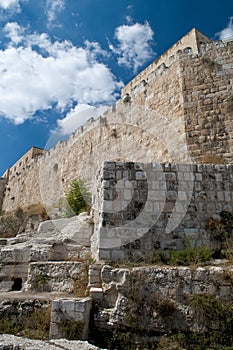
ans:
(149, 208)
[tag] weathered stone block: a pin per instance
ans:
(70, 314)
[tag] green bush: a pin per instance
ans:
(78, 197)
(220, 229)
(191, 256)
(34, 324)
(72, 330)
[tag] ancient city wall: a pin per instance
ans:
(126, 132)
(178, 113)
(208, 103)
(3, 182)
(190, 43)
(152, 208)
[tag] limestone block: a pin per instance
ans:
(68, 314)
(78, 229)
(96, 294)
(54, 276)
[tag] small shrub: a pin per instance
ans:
(221, 230)
(72, 330)
(169, 343)
(38, 324)
(9, 326)
(120, 340)
(196, 341)
(41, 283)
(213, 312)
(78, 197)
(227, 249)
(35, 325)
(191, 256)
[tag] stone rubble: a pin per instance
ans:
(56, 244)
(10, 342)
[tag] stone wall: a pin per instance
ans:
(179, 112)
(3, 182)
(70, 318)
(149, 208)
(59, 277)
(191, 43)
(208, 103)
(149, 302)
(52, 257)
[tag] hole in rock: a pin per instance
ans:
(17, 285)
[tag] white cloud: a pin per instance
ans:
(227, 33)
(10, 5)
(53, 7)
(129, 19)
(54, 75)
(13, 32)
(77, 117)
(135, 45)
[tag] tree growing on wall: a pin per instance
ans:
(78, 196)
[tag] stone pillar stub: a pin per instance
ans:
(70, 318)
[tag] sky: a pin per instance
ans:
(62, 61)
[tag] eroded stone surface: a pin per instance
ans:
(11, 342)
(54, 240)
(158, 299)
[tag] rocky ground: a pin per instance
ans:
(10, 342)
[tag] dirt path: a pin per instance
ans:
(33, 296)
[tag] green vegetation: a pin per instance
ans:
(221, 231)
(34, 325)
(191, 256)
(41, 283)
(216, 318)
(78, 197)
(120, 340)
(72, 329)
(193, 341)
(11, 223)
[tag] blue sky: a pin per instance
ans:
(62, 61)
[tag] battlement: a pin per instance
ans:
(191, 44)
(23, 162)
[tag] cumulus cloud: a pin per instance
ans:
(14, 32)
(227, 33)
(38, 74)
(53, 7)
(10, 6)
(134, 47)
(77, 116)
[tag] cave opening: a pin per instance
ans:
(17, 285)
